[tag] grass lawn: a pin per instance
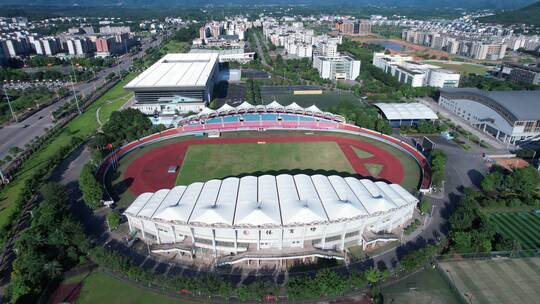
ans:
(82, 126)
(374, 169)
(204, 162)
(361, 153)
(99, 287)
(521, 226)
(424, 287)
(464, 68)
(176, 47)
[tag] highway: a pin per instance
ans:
(16, 134)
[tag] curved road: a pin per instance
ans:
(464, 169)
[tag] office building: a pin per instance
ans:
(337, 68)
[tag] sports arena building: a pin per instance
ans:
(509, 116)
(175, 84)
(250, 214)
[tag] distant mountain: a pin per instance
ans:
(529, 14)
(469, 4)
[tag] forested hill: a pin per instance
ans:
(467, 4)
(529, 15)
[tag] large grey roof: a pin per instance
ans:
(523, 105)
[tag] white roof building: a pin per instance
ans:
(271, 211)
(406, 111)
(189, 75)
(271, 200)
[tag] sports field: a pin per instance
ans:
(205, 162)
(241, 153)
(501, 280)
(99, 287)
(521, 226)
(425, 287)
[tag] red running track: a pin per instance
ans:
(148, 173)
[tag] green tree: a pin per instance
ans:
(14, 150)
(113, 218)
(424, 205)
(492, 181)
(91, 189)
(373, 275)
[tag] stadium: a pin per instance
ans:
(265, 183)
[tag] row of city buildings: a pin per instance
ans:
(19, 39)
(300, 42)
(227, 38)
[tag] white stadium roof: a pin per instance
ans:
(406, 111)
(274, 106)
(283, 200)
(177, 70)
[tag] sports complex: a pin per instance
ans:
(265, 183)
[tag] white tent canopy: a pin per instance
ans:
(271, 200)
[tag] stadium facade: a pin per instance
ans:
(252, 214)
(509, 116)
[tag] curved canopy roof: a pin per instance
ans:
(271, 107)
(283, 200)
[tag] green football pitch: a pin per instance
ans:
(521, 226)
(205, 162)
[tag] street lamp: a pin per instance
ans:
(9, 103)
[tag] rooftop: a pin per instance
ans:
(177, 70)
(523, 105)
(406, 111)
(283, 200)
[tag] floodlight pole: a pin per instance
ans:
(75, 95)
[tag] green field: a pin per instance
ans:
(325, 100)
(501, 280)
(82, 126)
(175, 47)
(99, 287)
(207, 161)
(204, 162)
(463, 68)
(424, 287)
(521, 226)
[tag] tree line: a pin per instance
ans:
(54, 243)
(364, 116)
(472, 232)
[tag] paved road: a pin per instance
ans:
(17, 135)
(260, 50)
(463, 169)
